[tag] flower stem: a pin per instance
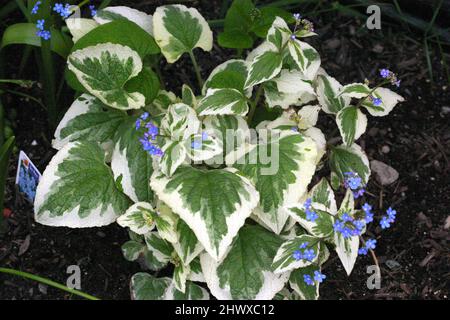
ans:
(374, 256)
(47, 282)
(197, 70)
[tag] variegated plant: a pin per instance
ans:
(233, 205)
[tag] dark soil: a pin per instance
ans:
(414, 254)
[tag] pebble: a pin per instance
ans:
(385, 149)
(384, 174)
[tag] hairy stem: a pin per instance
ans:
(254, 104)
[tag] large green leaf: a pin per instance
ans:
(187, 246)
(78, 190)
(213, 203)
(131, 164)
(179, 30)
(88, 119)
(230, 74)
(108, 14)
(327, 89)
(104, 70)
(281, 170)
(246, 272)
(238, 24)
(25, 33)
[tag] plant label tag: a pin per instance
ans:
(27, 177)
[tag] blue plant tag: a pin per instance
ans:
(27, 177)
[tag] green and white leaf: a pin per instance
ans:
(166, 222)
(308, 116)
(188, 96)
(144, 286)
(140, 218)
(187, 246)
(281, 170)
(354, 90)
(160, 248)
(349, 159)
(163, 100)
(196, 274)
(321, 227)
(213, 203)
(306, 58)
(233, 131)
(178, 30)
(104, 70)
(228, 75)
(287, 89)
(298, 284)
(199, 149)
(108, 14)
(284, 259)
(352, 123)
(347, 248)
(180, 275)
(78, 27)
(132, 166)
(246, 272)
(180, 122)
(131, 250)
(278, 33)
(174, 156)
(264, 67)
(389, 99)
(327, 89)
(223, 102)
(88, 119)
(319, 138)
(78, 190)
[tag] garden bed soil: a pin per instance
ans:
(414, 139)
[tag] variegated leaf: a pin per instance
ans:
(108, 14)
(140, 218)
(223, 102)
(327, 89)
(349, 159)
(352, 123)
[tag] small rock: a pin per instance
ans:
(385, 149)
(385, 174)
(34, 143)
(447, 223)
(101, 234)
(42, 288)
(445, 110)
(393, 265)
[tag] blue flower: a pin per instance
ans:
(303, 245)
(346, 217)
(359, 224)
(371, 244)
(362, 251)
(385, 73)
(366, 207)
(63, 10)
(93, 10)
(44, 34)
(293, 37)
(297, 255)
(308, 280)
(359, 193)
(391, 213)
(144, 116)
(35, 8)
(152, 131)
(311, 216)
(369, 217)
(318, 276)
(377, 102)
(204, 135)
(40, 24)
(196, 144)
(295, 129)
(297, 16)
(397, 83)
(309, 254)
(385, 223)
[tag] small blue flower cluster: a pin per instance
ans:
(354, 182)
(306, 25)
(35, 8)
(376, 101)
(63, 10)
(370, 245)
(389, 218)
(307, 254)
(42, 33)
(388, 74)
(310, 214)
(348, 227)
(93, 10)
(310, 280)
(148, 140)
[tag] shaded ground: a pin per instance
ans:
(414, 139)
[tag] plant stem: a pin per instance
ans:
(374, 257)
(197, 70)
(47, 282)
(254, 104)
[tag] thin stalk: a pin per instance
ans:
(47, 282)
(374, 256)
(197, 70)
(254, 104)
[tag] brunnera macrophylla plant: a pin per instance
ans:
(236, 210)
